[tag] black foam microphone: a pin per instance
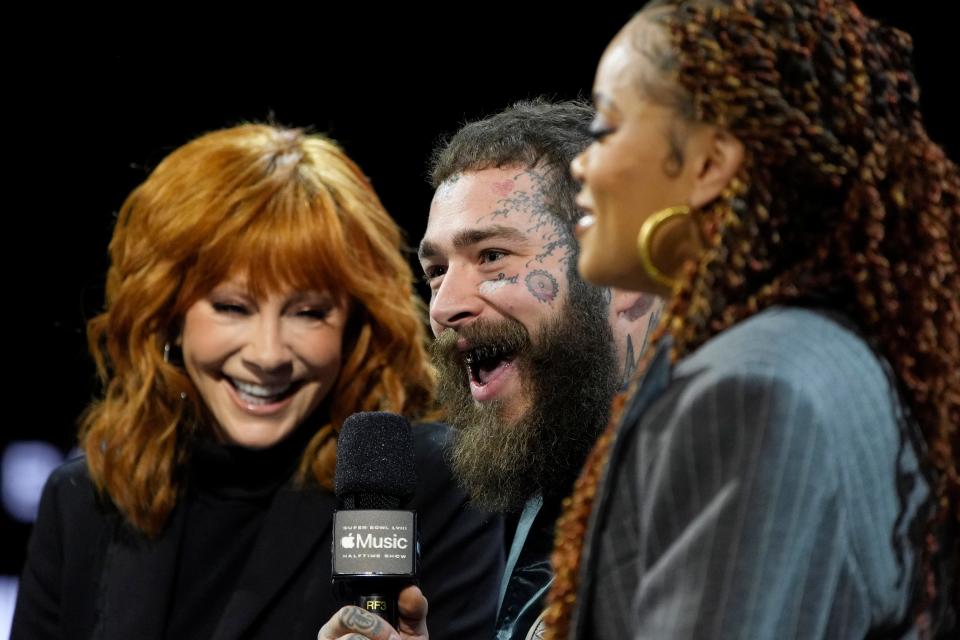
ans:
(376, 549)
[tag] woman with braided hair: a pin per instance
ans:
(785, 465)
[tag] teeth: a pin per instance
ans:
(481, 354)
(260, 391)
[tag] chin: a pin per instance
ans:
(609, 272)
(512, 413)
(595, 271)
(256, 438)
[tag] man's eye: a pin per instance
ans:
(433, 271)
(492, 255)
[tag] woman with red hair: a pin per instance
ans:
(257, 296)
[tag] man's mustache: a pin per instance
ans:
(508, 333)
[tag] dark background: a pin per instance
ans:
(87, 128)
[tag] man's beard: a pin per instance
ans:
(568, 376)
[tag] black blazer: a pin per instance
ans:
(89, 575)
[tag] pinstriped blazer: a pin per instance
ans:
(752, 493)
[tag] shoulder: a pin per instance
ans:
(71, 480)
(73, 472)
(788, 384)
(783, 338)
(71, 494)
(792, 351)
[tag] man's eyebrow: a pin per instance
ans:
(469, 237)
(427, 250)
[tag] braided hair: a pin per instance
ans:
(842, 201)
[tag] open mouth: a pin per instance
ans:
(258, 394)
(485, 363)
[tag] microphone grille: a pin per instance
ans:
(375, 460)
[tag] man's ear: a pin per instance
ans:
(631, 305)
(720, 157)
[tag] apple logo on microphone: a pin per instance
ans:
(347, 541)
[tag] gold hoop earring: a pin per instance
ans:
(647, 230)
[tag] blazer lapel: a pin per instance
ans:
(137, 581)
(296, 522)
(654, 381)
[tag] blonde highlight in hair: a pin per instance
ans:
(283, 209)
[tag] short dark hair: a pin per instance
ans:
(530, 133)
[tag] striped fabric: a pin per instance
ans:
(755, 496)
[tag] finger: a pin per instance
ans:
(362, 623)
(412, 604)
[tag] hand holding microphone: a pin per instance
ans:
(376, 551)
(353, 622)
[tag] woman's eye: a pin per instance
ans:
(231, 308)
(600, 130)
(314, 313)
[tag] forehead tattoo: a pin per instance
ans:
(555, 237)
(521, 213)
